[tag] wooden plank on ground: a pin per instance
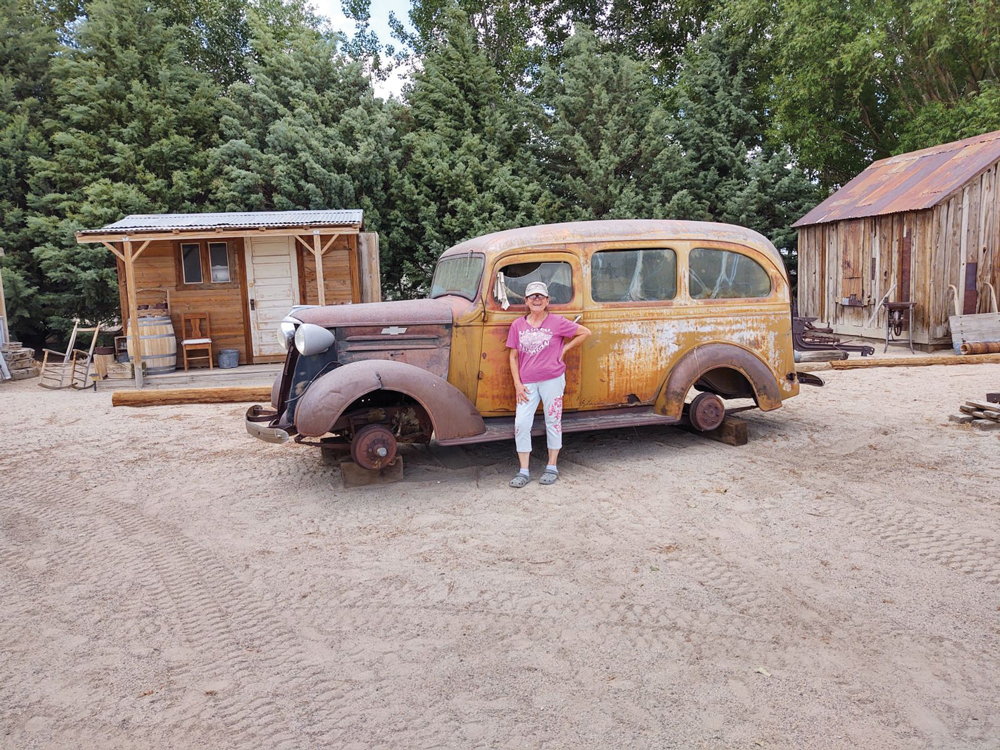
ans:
(916, 361)
(354, 476)
(170, 396)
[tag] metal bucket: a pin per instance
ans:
(157, 344)
(229, 358)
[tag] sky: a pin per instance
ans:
(380, 10)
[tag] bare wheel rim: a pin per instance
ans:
(373, 447)
(707, 412)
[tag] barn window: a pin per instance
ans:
(191, 262)
(721, 274)
(218, 257)
(646, 275)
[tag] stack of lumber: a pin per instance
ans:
(20, 360)
(980, 414)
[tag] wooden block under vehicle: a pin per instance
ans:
(732, 431)
(354, 476)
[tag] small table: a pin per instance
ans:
(897, 315)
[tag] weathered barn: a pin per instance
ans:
(908, 226)
(245, 270)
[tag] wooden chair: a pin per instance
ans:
(71, 368)
(197, 337)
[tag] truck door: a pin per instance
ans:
(505, 303)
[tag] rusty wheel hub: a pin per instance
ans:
(706, 412)
(373, 447)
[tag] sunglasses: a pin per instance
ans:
(537, 296)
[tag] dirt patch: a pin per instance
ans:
(167, 581)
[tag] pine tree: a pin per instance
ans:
(308, 133)
(27, 46)
(133, 128)
(606, 148)
(738, 173)
(464, 169)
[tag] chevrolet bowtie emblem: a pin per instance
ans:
(393, 330)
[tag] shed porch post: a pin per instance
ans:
(130, 256)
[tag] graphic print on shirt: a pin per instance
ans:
(533, 340)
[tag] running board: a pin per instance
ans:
(502, 428)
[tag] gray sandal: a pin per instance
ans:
(549, 477)
(519, 481)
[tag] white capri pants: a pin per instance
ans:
(550, 392)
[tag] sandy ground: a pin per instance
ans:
(166, 581)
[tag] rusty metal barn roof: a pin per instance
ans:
(241, 220)
(908, 182)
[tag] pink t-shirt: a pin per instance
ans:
(538, 349)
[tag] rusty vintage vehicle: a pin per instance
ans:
(675, 308)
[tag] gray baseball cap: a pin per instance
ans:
(536, 287)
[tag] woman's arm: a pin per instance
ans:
(582, 332)
(519, 389)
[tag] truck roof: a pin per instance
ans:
(612, 231)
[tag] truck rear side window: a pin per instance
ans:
(721, 274)
(641, 275)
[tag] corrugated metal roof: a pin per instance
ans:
(242, 220)
(908, 182)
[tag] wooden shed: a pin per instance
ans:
(907, 226)
(246, 270)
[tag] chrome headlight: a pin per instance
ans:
(286, 332)
(312, 339)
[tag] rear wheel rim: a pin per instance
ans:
(707, 412)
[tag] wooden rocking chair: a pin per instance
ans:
(71, 368)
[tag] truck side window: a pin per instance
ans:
(641, 275)
(721, 274)
(511, 281)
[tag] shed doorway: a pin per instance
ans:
(272, 289)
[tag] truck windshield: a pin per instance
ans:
(458, 275)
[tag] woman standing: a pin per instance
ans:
(538, 342)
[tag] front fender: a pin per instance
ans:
(698, 361)
(451, 413)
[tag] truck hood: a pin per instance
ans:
(411, 312)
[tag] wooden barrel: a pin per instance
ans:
(157, 343)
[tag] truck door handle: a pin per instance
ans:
(253, 304)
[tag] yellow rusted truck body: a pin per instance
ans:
(675, 308)
(635, 344)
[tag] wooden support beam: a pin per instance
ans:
(318, 254)
(916, 361)
(328, 243)
(170, 396)
(133, 310)
(142, 247)
(302, 242)
(113, 249)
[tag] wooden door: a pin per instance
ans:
(273, 288)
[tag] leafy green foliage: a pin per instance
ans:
(27, 45)
(850, 83)
(307, 133)
(463, 169)
(134, 124)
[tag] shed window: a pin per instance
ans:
(721, 274)
(191, 263)
(510, 282)
(218, 256)
(645, 275)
